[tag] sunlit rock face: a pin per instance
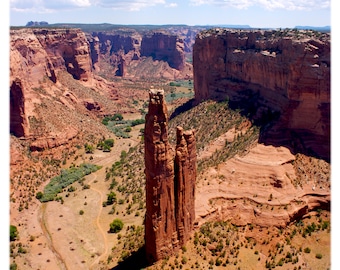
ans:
(36, 58)
(170, 183)
(278, 71)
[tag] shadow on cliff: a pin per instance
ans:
(271, 124)
(135, 261)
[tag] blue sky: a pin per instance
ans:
(256, 13)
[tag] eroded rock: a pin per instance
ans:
(170, 183)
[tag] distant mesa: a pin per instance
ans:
(31, 23)
(326, 28)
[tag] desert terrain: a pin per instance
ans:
(258, 204)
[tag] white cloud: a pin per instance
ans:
(267, 4)
(135, 5)
(45, 6)
(171, 5)
(132, 5)
(50, 5)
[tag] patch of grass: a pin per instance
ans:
(120, 127)
(66, 178)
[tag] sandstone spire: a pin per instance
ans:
(185, 179)
(170, 183)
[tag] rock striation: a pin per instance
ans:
(170, 183)
(126, 50)
(284, 71)
(37, 56)
(162, 46)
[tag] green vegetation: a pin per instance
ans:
(66, 178)
(13, 233)
(106, 145)
(120, 127)
(173, 96)
(211, 119)
(318, 256)
(111, 198)
(116, 225)
(179, 89)
(88, 148)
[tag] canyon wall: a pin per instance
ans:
(170, 183)
(162, 46)
(285, 72)
(125, 48)
(37, 56)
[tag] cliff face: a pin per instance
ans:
(37, 56)
(164, 47)
(170, 183)
(119, 48)
(126, 51)
(278, 71)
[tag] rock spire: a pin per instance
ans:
(170, 183)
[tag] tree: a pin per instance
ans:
(116, 225)
(109, 142)
(88, 148)
(13, 233)
(39, 195)
(111, 198)
(117, 117)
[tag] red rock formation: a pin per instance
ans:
(37, 55)
(164, 47)
(44, 99)
(160, 226)
(127, 49)
(285, 71)
(185, 181)
(67, 49)
(18, 120)
(170, 192)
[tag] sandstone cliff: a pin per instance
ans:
(36, 56)
(54, 96)
(164, 47)
(170, 183)
(265, 72)
(126, 50)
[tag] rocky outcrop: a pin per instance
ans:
(126, 50)
(37, 56)
(271, 71)
(170, 183)
(18, 120)
(119, 48)
(168, 48)
(185, 182)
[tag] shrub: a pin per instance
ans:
(109, 142)
(111, 198)
(39, 195)
(116, 225)
(318, 256)
(307, 250)
(13, 233)
(88, 148)
(81, 212)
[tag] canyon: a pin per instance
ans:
(261, 120)
(278, 72)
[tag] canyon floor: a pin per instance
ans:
(256, 193)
